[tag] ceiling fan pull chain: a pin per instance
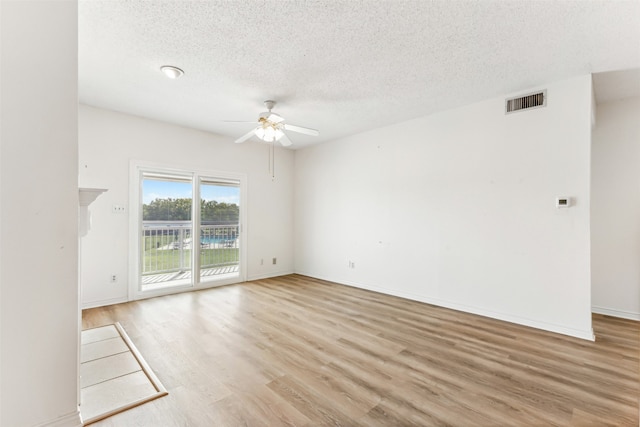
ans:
(272, 157)
(273, 160)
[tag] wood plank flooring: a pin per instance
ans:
(297, 351)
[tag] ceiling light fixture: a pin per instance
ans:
(269, 131)
(171, 71)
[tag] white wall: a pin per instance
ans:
(109, 140)
(458, 209)
(39, 218)
(615, 209)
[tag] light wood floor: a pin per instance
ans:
(300, 351)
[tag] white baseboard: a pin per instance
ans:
(551, 327)
(616, 313)
(102, 303)
(269, 275)
(72, 419)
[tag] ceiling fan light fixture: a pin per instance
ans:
(269, 133)
(171, 71)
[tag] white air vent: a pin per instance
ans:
(533, 100)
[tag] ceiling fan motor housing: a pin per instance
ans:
(271, 117)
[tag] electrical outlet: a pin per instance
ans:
(114, 278)
(274, 261)
(118, 209)
(352, 264)
(261, 261)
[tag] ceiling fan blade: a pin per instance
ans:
(245, 136)
(275, 118)
(238, 121)
(284, 140)
(300, 129)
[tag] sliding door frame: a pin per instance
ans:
(136, 168)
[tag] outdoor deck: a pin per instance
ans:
(153, 279)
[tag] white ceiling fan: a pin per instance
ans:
(271, 127)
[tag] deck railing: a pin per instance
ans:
(168, 246)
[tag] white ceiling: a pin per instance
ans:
(343, 66)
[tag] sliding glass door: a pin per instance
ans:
(188, 230)
(167, 230)
(219, 228)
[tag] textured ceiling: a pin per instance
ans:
(341, 66)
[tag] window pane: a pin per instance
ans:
(166, 200)
(219, 229)
(166, 231)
